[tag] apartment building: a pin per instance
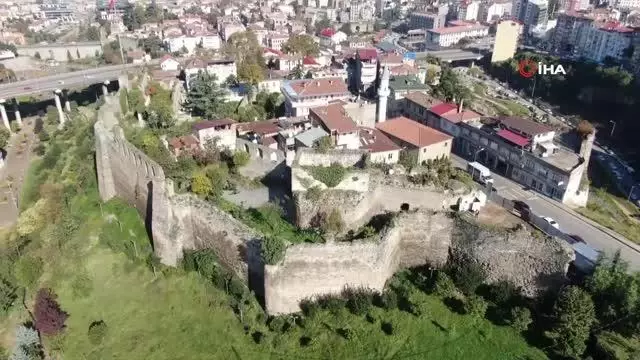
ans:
(568, 31)
(535, 14)
(468, 10)
(427, 143)
(275, 40)
(506, 43)
(493, 11)
(223, 131)
(449, 36)
(335, 120)
(605, 39)
(427, 20)
(302, 95)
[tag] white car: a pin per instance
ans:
(552, 222)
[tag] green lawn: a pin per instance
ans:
(605, 209)
(514, 107)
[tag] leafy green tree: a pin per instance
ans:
(205, 97)
(160, 113)
(270, 103)
(230, 81)
(572, 319)
(408, 159)
(296, 73)
(475, 305)
(5, 135)
(250, 72)
(219, 176)
(450, 87)
(520, 318)
(201, 184)
(302, 44)
(28, 270)
(273, 249)
(240, 159)
(244, 48)
(134, 17)
(153, 45)
(613, 346)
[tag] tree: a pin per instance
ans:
(10, 47)
(7, 295)
(244, 47)
(153, 45)
(475, 305)
(98, 330)
(322, 24)
(431, 75)
(408, 159)
(572, 318)
(37, 56)
(302, 44)
(250, 72)
(520, 318)
(218, 174)
(450, 87)
(240, 159)
(160, 113)
(27, 344)
(5, 135)
(308, 75)
(134, 17)
(273, 250)
(230, 81)
(613, 346)
(49, 318)
(296, 73)
(93, 33)
(200, 184)
(28, 270)
(205, 97)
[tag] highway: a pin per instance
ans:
(62, 81)
(570, 222)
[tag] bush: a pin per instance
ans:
(240, 159)
(28, 270)
(333, 223)
(467, 274)
(475, 305)
(97, 332)
(7, 295)
(273, 249)
(389, 299)
(443, 286)
(5, 135)
(49, 318)
(330, 175)
(359, 300)
(408, 159)
(324, 144)
(387, 327)
(277, 323)
(204, 262)
(520, 318)
(309, 307)
(332, 302)
(501, 292)
(81, 286)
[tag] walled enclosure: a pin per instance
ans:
(181, 222)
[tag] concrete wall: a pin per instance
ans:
(59, 51)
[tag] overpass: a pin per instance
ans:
(54, 84)
(450, 55)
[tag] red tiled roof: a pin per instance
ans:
(260, 127)
(166, 57)
(464, 116)
(334, 118)
(183, 141)
(375, 141)
(308, 60)
(319, 87)
(327, 32)
(442, 108)
(368, 54)
(412, 132)
(273, 51)
(513, 137)
(403, 69)
(212, 123)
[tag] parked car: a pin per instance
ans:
(522, 208)
(551, 222)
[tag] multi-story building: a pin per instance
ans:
(448, 36)
(568, 31)
(518, 8)
(626, 4)
(535, 14)
(605, 39)
(226, 30)
(206, 40)
(427, 143)
(468, 10)
(275, 40)
(426, 20)
(493, 11)
(223, 131)
(506, 43)
(334, 120)
(302, 95)
(524, 151)
(361, 11)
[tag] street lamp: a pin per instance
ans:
(613, 126)
(631, 192)
(475, 155)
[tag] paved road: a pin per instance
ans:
(570, 222)
(64, 80)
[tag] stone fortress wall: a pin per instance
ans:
(182, 222)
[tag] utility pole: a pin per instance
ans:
(534, 87)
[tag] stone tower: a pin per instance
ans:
(383, 94)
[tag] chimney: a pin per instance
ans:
(460, 105)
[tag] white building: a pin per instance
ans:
(601, 40)
(226, 30)
(190, 43)
(222, 69)
(334, 119)
(275, 40)
(223, 130)
(302, 95)
(490, 12)
(449, 36)
(626, 4)
(468, 10)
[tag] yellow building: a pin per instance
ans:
(507, 33)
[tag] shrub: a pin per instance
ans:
(520, 318)
(49, 318)
(314, 193)
(257, 337)
(443, 286)
(324, 144)
(28, 270)
(97, 332)
(201, 185)
(27, 344)
(5, 135)
(332, 302)
(345, 332)
(305, 341)
(81, 286)
(359, 300)
(204, 262)
(277, 323)
(467, 274)
(475, 305)
(584, 128)
(333, 223)
(330, 175)
(408, 159)
(387, 327)
(309, 307)
(389, 299)
(7, 295)
(501, 292)
(240, 159)
(273, 250)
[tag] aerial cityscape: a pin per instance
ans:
(319, 179)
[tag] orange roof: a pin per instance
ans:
(334, 118)
(421, 99)
(412, 132)
(318, 87)
(375, 141)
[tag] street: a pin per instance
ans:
(569, 221)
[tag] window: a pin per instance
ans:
(424, 150)
(390, 156)
(446, 143)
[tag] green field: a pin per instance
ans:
(607, 210)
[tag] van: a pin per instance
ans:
(480, 173)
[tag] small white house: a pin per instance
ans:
(167, 63)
